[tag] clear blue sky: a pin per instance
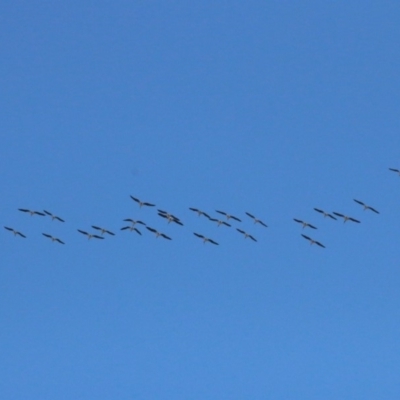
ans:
(270, 107)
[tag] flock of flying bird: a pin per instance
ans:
(132, 226)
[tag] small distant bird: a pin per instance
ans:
(218, 221)
(14, 232)
(53, 239)
(346, 218)
(246, 235)
(325, 214)
(312, 241)
(53, 217)
(305, 224)
(366, 207)
(205, 239)
(103, 231)
(158, 233)
(32, 212)
(228, 216)
(90, 235)
(133, 222)
(169, 217)
(395, 170)
(142, 203)
(199, 212)
(131, 228)
(256, 220)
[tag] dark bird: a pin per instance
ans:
(53, 217)
(158, 233)
(312, 241)
(199, 212)
(32, 212)
(102, 230)
(256, 220)
(366, 207)
(14, 232)
(142, 203)
(90, 235)
(395, 170)
(218, 221)
(305, 224)
(169, 217)
(346, 218)
(325, 214)
(131, 228)
(246, 235)
(53, 239)
(228, 216)
(205, 239)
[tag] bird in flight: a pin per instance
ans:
(346, 218)
(246, 235)
(53, 217)
(305, 224)
(312, 241)
(325, 214)
(199, 212)
(14, 232)
(218, 221)
(142, 203)
(158, 233)
(256, 220)
(53, 239)
(133, 222)
(169, 217)
(395, 170)
(228, 216)
(366, 207)
(205, 239)
(131, 228)
(90, 235)
(32, 212)
(103, 231)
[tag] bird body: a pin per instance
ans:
(246, 235)
(15, 232)
(256, 220)
(205, 239)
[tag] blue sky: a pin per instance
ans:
(268, 107)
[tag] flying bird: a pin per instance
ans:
(158, 233)
(305, 224)
(131, 228)
(133, 222)
(53, 217)
(218, 221)
(228, 216)
(346, 218)
(142, 203)
(205, 239)
(32, 212)
(199, 212)
(103, 231)
(325, 214)
(90, 235)
(169, 217)
(256, 220)
(366, 207)
(53, 239)
(15, 232)
(246, 235)
(312, 241)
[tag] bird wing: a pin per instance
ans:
(239, 230)
(236, 218)
(212, 241)
(135, 199)
(354, 220)
(221, 212)
(306, 237)
(340, 215)
(312, 226)
(46, 234)
(318, 210)
(165, 236)
(151, 229)
(262, 223)
(198, 235)
(59, 241)
(298, 220)
(20, 234)
(85, 233)
(373, 209)
(320, 244)
(251, 216)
